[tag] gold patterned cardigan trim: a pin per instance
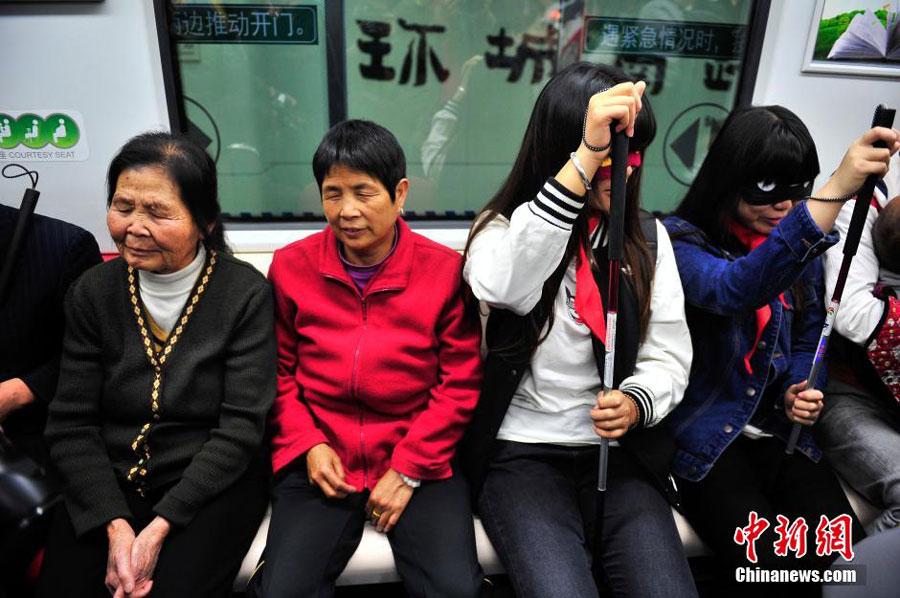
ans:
(157, 356)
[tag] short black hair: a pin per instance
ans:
(188, 166)
(886, 236)
(364, 146)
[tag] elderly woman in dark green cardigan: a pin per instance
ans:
(168, 371)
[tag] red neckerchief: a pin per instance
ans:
(588, 302)
(751, 240)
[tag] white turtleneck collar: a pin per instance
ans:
(164, 295)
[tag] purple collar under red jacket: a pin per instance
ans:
(387, 377)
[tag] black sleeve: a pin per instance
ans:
(79, 255)
(93, 496)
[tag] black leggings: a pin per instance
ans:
(757, 475)
(199, 560)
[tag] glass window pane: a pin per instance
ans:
(690, 53)
(254, 83)
(455, 82)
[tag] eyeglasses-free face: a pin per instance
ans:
(150, 224)
(360, 212)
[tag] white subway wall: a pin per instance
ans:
(836, 109)
(99, 59)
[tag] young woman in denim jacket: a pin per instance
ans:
(747, 251)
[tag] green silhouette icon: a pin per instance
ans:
(9, 132)
(63, 131)
(33, 131)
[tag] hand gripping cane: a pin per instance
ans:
(884, 117)
(619, 157)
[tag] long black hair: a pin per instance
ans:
(555, 130)
(760, 143)
(189, 167)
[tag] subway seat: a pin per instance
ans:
(373, 561)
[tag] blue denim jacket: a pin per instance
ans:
(722, 292)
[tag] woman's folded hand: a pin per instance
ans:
(145, 554)
(388, 500)
(119, 575)
(325, 471)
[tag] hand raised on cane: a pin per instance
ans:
(862, 159)
(620, 104)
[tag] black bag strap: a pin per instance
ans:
(648, 227)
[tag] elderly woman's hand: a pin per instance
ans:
(145, 554)
(802, 406)
(119, 575)
(323, 466)
(388, 500)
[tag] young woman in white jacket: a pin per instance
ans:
(537, 256)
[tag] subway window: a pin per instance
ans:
(258, 84)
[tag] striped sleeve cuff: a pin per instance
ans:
(557, 205)
(643, 397)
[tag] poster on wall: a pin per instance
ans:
(854, 37)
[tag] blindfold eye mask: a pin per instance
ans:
(605, 170)
(764, 193)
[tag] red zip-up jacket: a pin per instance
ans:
(388, 377)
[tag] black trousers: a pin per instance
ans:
(757, 475)
(199, 560)
(311, 538)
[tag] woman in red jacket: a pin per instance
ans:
(378, 374)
